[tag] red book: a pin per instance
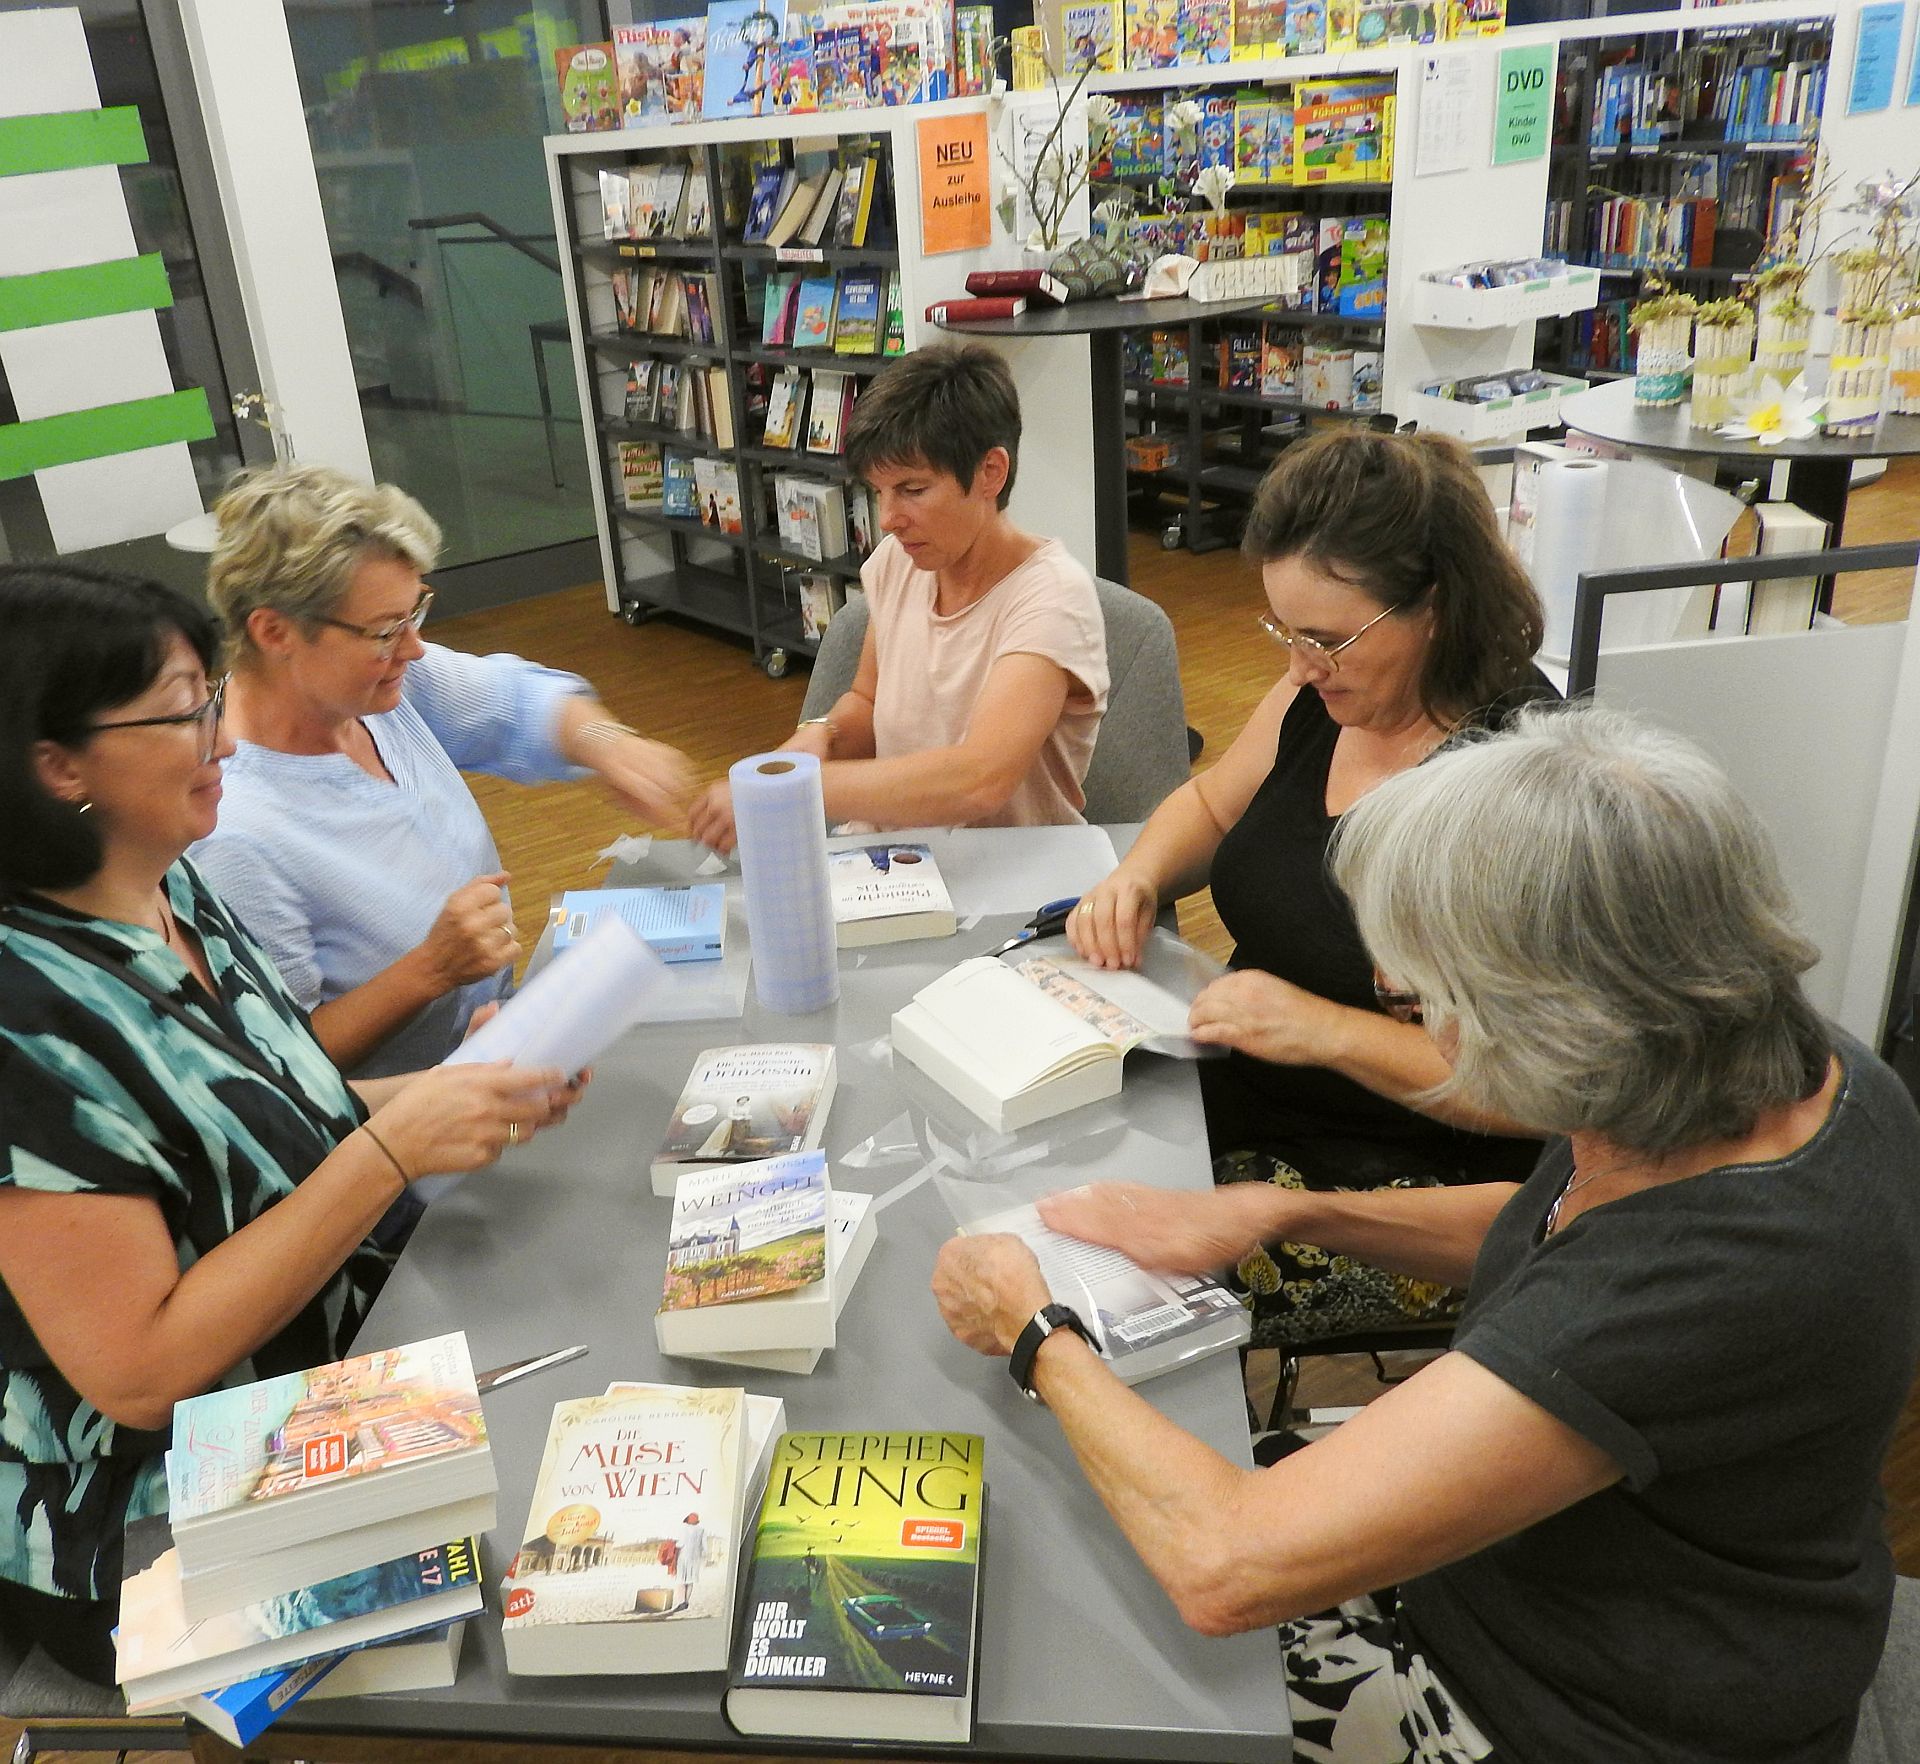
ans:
(943, 312)
(1033, 283)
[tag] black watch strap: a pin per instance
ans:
(1043, 1323)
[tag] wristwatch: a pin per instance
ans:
(1044, 1322)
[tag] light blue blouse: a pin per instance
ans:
(337, 874)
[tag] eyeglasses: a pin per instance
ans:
(1402, 1007)
(386, 638)
(1311, 648)
(206, 718)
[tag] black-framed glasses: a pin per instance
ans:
(1402, 1007)
(385, 638)
(206, 716)
(1326, 655)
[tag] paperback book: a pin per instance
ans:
(813, 320)
(857, 316)
(745, 1104)
(589, 87)
(859, 1616)
(739, 70)
(679, 922)
(640, 478)
(888, 893)
(747, 1259)
(853, 1227)
(630, 1552)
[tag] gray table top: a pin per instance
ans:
(1609, 413)
(564, 1241)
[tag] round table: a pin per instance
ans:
(1818, 468)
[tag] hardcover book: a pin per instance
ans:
(888, 893)
(353, 1453)
(747, 1259)
(684, 922)
(846, 68)
(589, 87)
(660, 65)
(862, 1594)
(630, 1548)
(813, 318)
(744, 1104)
(856, 317)
(162, 1655)
(1143, 1323)
(770, 187)
(241, 1713)
(739, 72)
(640, 474)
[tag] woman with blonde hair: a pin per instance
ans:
(349, 842)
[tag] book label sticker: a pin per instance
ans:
(933, 1534)
(324, 1455)
(798, 254)
(956, 211)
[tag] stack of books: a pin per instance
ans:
(310, 1515)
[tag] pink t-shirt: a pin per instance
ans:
(933, 667)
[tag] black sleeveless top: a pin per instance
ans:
(1287, 916)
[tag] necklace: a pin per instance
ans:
(1572, 1186)
(166, 921)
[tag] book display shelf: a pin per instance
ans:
(1683, 153)
(730, 288)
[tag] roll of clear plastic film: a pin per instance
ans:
(781, 823)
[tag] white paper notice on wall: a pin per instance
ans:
(61, 220)
(1452, 130)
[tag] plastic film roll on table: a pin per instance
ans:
(780, 820)
(1569, 523)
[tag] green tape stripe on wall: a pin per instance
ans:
(109, 428)
(91, 290)
(64, 139)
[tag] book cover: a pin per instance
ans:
(827, 409)
(741, 35)
(768, 184)
(1087, 34)
(1306, 27)
(864, 1578)
(818, 604)
(589, 87)
(1036, 285)
(161, 1654)
(360, 1418)
(846, 69)
(746, 1104)
(786, 409)
(658, 65)
(1204, 32)
(854, 202)
(676, 486)
(1152, 35)
(856, 316)
(726, 499)
(973, 50)
(678, 922)
(241, 1713)
(630, 1549)
(888, 891)
(640, 474)
(972, 308)
(776, 295)
(896, 330)
(813, 318)
(614, 195)
(747, 1231)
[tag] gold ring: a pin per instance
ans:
(513, 1133)
(1086, 906)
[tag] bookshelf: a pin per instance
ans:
(1677, 151)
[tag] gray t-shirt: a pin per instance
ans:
(1741, 1343)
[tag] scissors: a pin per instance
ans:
(1049, 921)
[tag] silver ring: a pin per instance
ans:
(513, 1133)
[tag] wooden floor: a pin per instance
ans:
(703, 695)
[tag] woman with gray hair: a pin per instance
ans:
(1635, 1512)
(348, 841)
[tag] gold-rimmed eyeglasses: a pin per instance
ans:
(1326, 655)
(206, 716)
(385, 638)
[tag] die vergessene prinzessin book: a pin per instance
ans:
(741, 1104)
(859, 1616)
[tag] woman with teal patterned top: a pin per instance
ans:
(186, 1181)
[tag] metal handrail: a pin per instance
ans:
(519, 241)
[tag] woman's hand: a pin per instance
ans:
(1109, 927)
(651, 778)
(1171, 1231)
(452, 1119)
(988, 1289)
(710, 820)
(473, 936)
(1269, 1018)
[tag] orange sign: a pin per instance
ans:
(933, 1534)
(956, 201)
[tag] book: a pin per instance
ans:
(425, 1660)
(349, 1457)
(642, 390)
(640, 478)
(747, 1259)
(793, 213)
(1080, 38)
(613, 205)
(827, 409)
(696, 215)
(725, 500)
(856, 313)
(1306, 27)
(241, 1713)
(659, 65)
(853, 1227)
(862, 523)
(991, 306)
(819, 601)
(854, 208)
(886, 894)
(679, 922)
(676, 485)
(776, 300)
(589, 89)
(786, 409)
(813, 230)
(631, 1543)
(896, 332)
(745, 1104)
(163, 1655)
(858, 1620)
(972, 50)
(1035, 286)
(813, 316)
(1143, 1323)
(846, 68)
(739, 66)
(1786, 603)
(772, 184)
(719, 405)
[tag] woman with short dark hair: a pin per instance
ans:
(983, 676)
(186, 1181)
(1404, 620)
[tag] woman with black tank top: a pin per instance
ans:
(1404, 622)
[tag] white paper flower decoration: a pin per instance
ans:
(1777, 413)
(1183, 119)
(1212, 186)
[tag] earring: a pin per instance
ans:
(85, 807)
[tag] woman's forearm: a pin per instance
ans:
(1399, 1061)
(354, 1025)
(941, 787)
(1174, 852)
(1424, 1233)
